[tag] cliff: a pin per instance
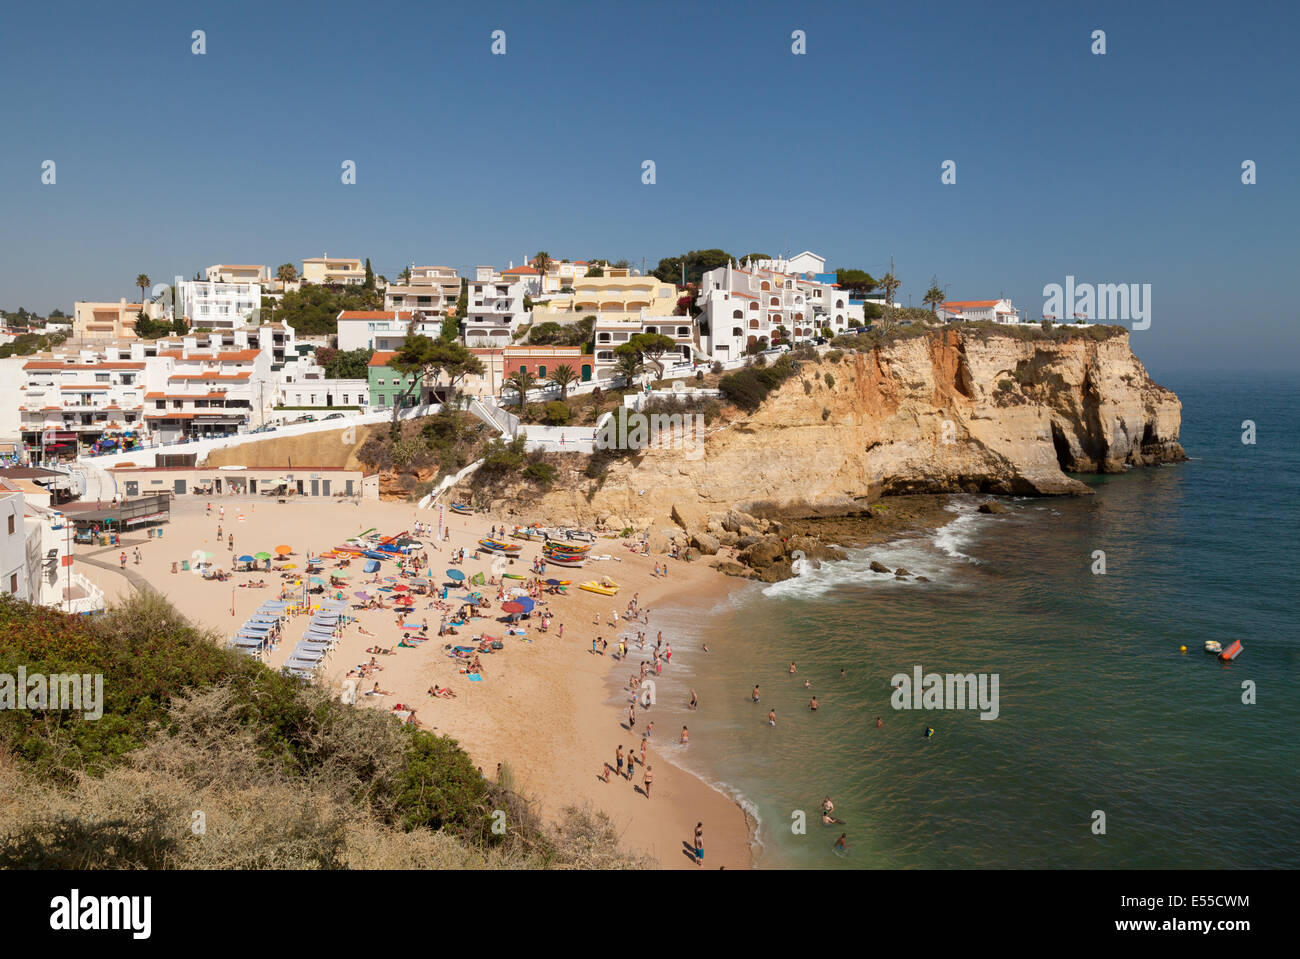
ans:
(946, 411)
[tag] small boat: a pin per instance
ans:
(497, 546)
(463, 508)
(533, 535)
(605, 587)
(1232, 652)
(1213, 646)
(375, 554)
(513, 576)
(575, 562)
(553, 547)
(581, 534)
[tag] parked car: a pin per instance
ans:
(334, 416)
(820, 340)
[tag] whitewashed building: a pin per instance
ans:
(213, 305)
(495, 311)
(992, 311)
(303, 382)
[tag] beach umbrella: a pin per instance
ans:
(318, 581)
(526, 603)
(455, 575)
(554, 582)
(362, 595)
(513, 607)
(261, 555)
(245, 559)
(283, 550)
(289, 566)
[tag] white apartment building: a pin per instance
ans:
(383, 330)
(495, 311)
(744, 309)
(801, 264)
(993, 311)
(158, 390)
(36, 557)
(430, 290)
(72, 401)
(303, 382)
(209, 304)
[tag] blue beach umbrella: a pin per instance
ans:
(455, 575)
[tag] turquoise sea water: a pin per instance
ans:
(1098, 708)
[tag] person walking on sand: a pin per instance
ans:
(647, 780)
(618, 758)
(699, 844)
(123, 559)
(631, 765)
(754, 694)
(631, 716)
(686, 736)
(695, 701)
(771, 717)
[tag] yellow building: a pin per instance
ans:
(333, 269)
(109, 321)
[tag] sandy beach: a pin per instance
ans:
(544, 706)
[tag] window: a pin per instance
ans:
(11, 524)
(13, 584)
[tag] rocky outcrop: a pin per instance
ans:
(947, 411)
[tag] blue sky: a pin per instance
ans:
(1122, 168)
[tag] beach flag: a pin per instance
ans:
(442, 515)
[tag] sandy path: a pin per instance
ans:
(543, 707)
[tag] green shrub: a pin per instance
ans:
(830, 380)
(502, 458)
(541, 473)
(556, 413)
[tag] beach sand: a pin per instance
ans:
(543, 707)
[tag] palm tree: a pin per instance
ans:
(143, 282)
(933, 296)
(286, 274)
(629, 364)
(889, 283)
(521, 381)
(541, 263)
(563, 376)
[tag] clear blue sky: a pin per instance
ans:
(1117, 168)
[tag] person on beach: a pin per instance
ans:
(686, 736)
(631, 765)
(644, 744)
(695, 701)
(618, 758)
(793, 669)
(813, 705)
(647, 780)
(699, 844)
(668, 653)
(771, 717)
(754, 694)
(842, 842)
(879, 722)
(631, 716)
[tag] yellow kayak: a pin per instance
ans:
(605, 588)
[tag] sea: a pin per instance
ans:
(1113, 747)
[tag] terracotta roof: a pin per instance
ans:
(210, 376)
(519, 269)
(381, 358)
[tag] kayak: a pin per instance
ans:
(597, 587)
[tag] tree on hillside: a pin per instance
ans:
(563, 377)
(458, 363)
(629, 364)
(143, 282)
(180, 326)
(596, 271)
(344, 364)
(934, 295)
(369, 282)
(856, 281)
(286, 273)
(650, 346)
(405, 275)
(541, 263)
(889, 284)
(420, 359)
(697, 262)
(756, 256)
(521, 381)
